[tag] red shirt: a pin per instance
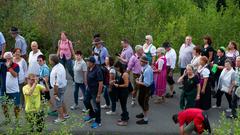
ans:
(190, 115)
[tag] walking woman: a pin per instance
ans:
(191, 88)
(226, 85)
(22, 72)
(65, 52)
(121, 84)
(205, 92)
(160, 75)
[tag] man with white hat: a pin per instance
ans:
(12, 87)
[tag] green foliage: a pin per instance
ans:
(170, 20)
(227, 126)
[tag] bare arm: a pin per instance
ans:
(181, 79)
(210, 56)
(126, 81)
(14, 74)
(204, 85)
(3, 49)
(58, 51)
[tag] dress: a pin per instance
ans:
(205, 99)
(160, 78)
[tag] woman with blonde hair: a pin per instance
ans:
(149, 49)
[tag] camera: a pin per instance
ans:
(41, 81)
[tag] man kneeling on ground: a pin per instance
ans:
(195, 120)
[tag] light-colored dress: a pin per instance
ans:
(160, 78)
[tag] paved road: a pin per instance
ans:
(160, 122)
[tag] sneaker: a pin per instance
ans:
(111, 113)
(122, 123)
(84, 110)
(81, 98)
(229, 110)
(74, 107)
(216, 107)
(66, 116)
(87, 119)
(105, 106)
(140, 116)
(58, 120)
(142, 122)
(96, 125)
(133, 103)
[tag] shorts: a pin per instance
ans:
(170, 79)
(143, 97)
(133, 78)
(14, 97)
(60, 95)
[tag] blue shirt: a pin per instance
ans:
(21, 43)
(147, 75)
(44, 71)
(100, 54)
(2, 41)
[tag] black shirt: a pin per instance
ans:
(220, 61)
(190, 84)
(93, 78)
(205, 51)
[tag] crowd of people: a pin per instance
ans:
(137, 73)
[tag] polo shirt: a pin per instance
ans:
(11, 81)
(32, 102)
(58, 76)
(94, 76)
(190, 115)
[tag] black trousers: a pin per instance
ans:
(123, 96)
(235, 99)
(219, 98)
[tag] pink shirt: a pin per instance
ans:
(65, 49)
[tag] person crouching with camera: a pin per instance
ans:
(32, 94)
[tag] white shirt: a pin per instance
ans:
(225, 80)
(204, 72)
(11, 83)
(195, 62)
(233, 54)
(34, 67)
(58, 76)
(151, 48)
(22, 70)
(171, 57)
(160, 63)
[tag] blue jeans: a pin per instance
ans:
(76, 91)
(94, 108)
(69, 65)
(106, 95)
